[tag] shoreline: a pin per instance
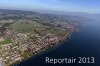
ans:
(44, 50)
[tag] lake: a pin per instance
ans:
(85, 43)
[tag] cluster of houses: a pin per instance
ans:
(21, 42)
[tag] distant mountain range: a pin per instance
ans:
(95, 17)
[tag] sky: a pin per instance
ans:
(88, 6)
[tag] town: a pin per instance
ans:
(21, 39)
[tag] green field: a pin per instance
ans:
(27, 27)
(34, 28)
(6, 41)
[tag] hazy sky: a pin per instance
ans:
(90, 6)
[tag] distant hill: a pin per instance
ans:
(18, 14)
(95, 17)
